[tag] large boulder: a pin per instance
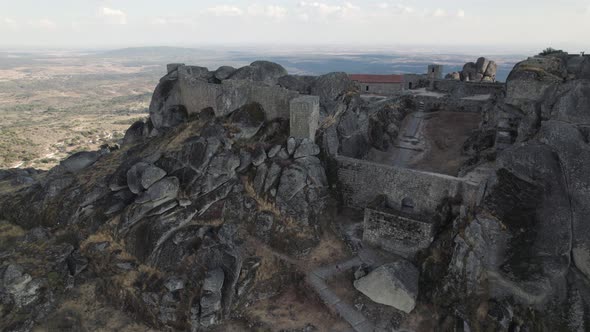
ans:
(573, 153)
(301, 84)
(331, 86)
(469, 71)
(394, 284)
(483, 70)
(260, 71)
(573, 103)
(142, 175)
(248, 120)
(165, 97)
(532, 81)
(223, 72)
(80, 161)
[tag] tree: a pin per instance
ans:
(550, 50)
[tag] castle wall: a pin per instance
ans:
(224, 98)
(380, 88)
(404, 236)
(459, 89)
(446, 104)
(362, 181)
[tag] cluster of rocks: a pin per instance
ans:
(528, 243)
(483, 70)
(179, 211)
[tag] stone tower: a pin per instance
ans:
(435, 72)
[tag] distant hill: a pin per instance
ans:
(157, 51)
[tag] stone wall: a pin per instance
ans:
(414, 81)
(360, 182)
(305, 117)
(196, 95)
(395, 233)
(459, 89)
(446, 104)
(380, 88)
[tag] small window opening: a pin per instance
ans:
(367, 88)
(407, 204)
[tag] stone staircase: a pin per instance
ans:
(504, 133)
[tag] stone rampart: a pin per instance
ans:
(459, 89)
(360, 182)
(197, 94)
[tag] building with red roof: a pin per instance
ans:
(385, 84)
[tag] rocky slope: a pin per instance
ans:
(200, 216)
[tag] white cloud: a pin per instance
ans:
(113, 16)
(159, 21)
(396, 8)
(44, 23)
(271, 11)
(225, 10)
(439, 13)
(10, 23)
(323, 10)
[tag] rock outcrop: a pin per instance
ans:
(169, 222)
(483, 70)
(528, 242)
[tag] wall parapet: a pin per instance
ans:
(460, 89)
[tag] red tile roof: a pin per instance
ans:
(366, 78)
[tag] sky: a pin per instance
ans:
(512, 24)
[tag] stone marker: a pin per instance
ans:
(305, 117)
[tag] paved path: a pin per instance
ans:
(408, 143)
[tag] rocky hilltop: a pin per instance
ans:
(211, 216)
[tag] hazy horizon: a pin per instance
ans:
(511, 26)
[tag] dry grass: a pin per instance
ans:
(93, 315)
(128, 278)
(10, 230)
(543, 74)
(265, 205)
(50, 110)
